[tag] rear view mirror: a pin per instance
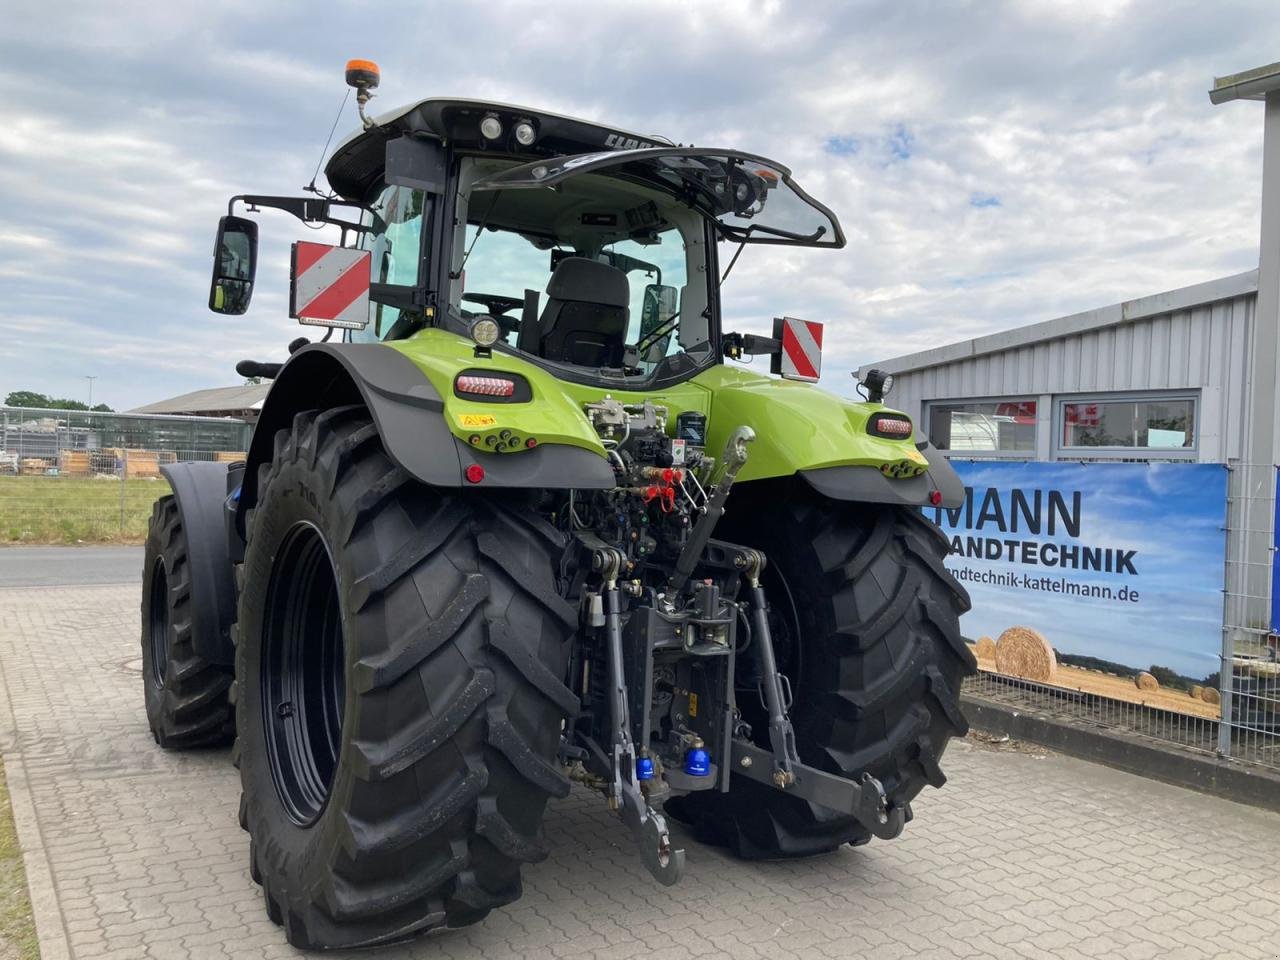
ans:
(235, 259)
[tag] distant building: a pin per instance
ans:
(243, 402)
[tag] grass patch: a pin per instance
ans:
(17, 928)
(76, 510)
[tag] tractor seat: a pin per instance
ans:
(585, 319)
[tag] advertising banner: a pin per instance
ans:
(1100, 577)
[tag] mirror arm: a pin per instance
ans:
(306, 209)
(409, 299)
(737, 344)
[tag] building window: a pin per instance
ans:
(1150, 423)
(984, 426)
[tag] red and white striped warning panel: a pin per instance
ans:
(801, 354)
(329, 286)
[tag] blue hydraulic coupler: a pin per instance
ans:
(697, 762)
(644, 768)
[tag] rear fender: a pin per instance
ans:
(826, 439)
(869, 485)
(200, 489)
(409, 414)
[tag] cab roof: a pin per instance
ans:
(357, 163)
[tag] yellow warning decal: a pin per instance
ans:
(477, 420)
(693, 704)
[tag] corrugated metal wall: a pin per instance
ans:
(1202, 348)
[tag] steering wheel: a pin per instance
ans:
(494, 302)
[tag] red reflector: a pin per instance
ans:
(531, 442)
(475, 473)
(935, 498)
(486, 386)
(893, 426)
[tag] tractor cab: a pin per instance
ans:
(589, 251)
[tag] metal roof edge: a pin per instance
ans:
(1211, 291)
(1252, 84)
(54, 413)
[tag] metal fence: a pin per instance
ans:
(1249, 730)
(50, 436)
(73, 476)
(1250, 673)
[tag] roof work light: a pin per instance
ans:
(525, 133)
(877, 384)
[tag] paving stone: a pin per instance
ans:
(1021, 855)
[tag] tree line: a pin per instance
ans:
(29, 398)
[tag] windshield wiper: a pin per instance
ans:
(666, 328)
(736, 233)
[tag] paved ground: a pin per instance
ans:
(135, 853)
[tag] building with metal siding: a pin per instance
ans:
(1191, 348)
(1193, 341)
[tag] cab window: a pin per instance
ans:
(394, 238)
(594, 274)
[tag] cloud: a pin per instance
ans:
(124, 128)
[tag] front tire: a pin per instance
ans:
(399, 697)
(866, 625)
(186, 695)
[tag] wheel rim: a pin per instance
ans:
(158, 621)
(303, 673)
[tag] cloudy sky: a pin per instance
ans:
(993, 163)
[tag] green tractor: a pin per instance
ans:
(527, 524)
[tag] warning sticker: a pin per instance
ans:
(477, 420)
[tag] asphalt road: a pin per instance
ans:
(69, 566)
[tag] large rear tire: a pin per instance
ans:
(399, 695)
(866, 625)
(186, 695)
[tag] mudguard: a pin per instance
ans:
(871, 486)
(200, 489)
(409, 414)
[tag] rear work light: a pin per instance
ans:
(890, 425)
(486, 386)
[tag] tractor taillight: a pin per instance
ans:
(485, 386)
(890, 425)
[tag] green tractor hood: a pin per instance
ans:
(799, 428)
(542, 438)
